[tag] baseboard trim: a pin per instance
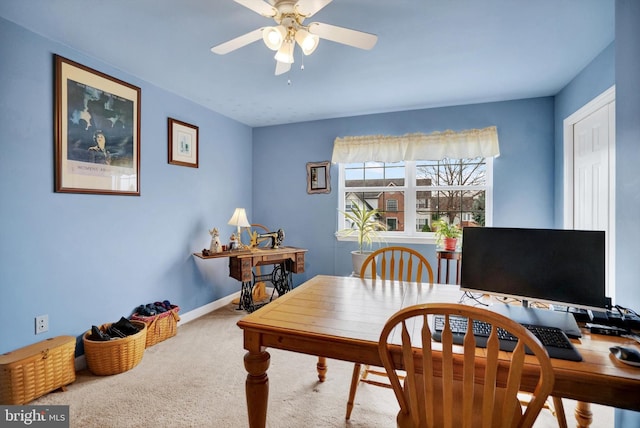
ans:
(204, 310)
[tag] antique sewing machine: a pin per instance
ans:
(276, 238)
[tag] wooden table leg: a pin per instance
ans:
(584, 417)
(257, 387)
(322, 368)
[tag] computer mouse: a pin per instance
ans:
(626, 355)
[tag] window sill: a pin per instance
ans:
(395, 239)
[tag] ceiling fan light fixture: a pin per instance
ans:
(274, 36)
(308, 42)
(285, 53)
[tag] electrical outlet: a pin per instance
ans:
(42, 324)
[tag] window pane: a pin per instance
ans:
(464, 208)
(393, 218)
(374, 174)
(451, 172)
(473, 208)
(370, 200)
(392, 204)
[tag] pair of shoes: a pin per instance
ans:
(159, 307)
(145, 311)
(124, 326)
(165, 304)
(114, 332)
(151, 307)
(97, 334)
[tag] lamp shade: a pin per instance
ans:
(274, 36)
(239, 218)
(285, 53)
(308, 42)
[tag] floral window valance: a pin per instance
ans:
(471, 143)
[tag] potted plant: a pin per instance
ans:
(446, 234)
(365, 225)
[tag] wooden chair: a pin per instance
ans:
(483, 392)
(395, 263)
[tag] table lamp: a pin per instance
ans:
(239, 219)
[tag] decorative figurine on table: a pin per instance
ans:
(216, 246)
(233, 243)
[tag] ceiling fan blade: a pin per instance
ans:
(308, 8)
(282, 67)
(238, 42)
(346, 36)
(258, 6)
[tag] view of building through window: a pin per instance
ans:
(411, 195)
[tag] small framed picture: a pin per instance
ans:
(97, 132)
(318, 177)
(183, 144)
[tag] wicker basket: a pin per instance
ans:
(117, 355)
(30, 372)
(160, 327)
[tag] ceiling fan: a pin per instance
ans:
(289, 16)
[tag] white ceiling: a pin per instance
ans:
(430, 53)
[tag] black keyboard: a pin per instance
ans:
(553, 339)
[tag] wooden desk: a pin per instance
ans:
(287, 260)
(341, 318)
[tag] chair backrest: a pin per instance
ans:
(451, 389)
(397, 263)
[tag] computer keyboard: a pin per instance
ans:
(553, 339)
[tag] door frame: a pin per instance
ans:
(592, 106)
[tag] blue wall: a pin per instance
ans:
(89, 259)
(523, 174)
(627, 158)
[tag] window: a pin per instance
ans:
(392, 223)
(412, 194)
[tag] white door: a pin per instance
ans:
(590, 173)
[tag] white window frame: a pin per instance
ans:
(411, 236)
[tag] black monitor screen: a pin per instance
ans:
(553, 266)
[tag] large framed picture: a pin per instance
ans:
(97, 132)
(183, 144)
(318, 177)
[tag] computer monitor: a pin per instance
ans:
(565, 267)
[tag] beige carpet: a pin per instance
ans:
(196, 379)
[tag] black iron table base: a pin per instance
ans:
(280, 277)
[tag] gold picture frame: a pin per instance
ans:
(318, 177)
(183, 143)
(97, 132)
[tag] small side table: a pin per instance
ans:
(447, 256)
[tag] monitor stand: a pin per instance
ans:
(543, 317)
